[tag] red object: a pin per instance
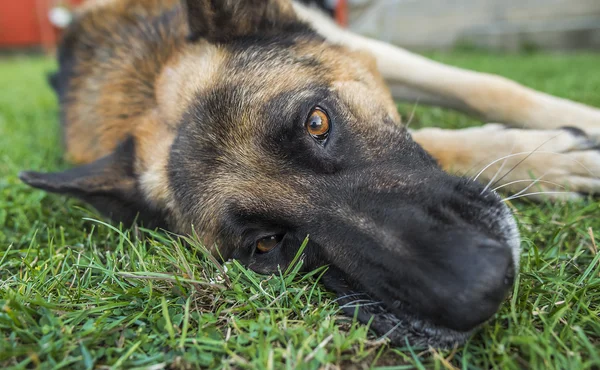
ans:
(25, 23)
(341, 13)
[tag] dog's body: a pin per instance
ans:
(410, 78)
(186, 117)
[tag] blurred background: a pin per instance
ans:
(509, 25)
(33, 24)
(505, 25)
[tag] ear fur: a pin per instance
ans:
(224, 20)
(108, 184)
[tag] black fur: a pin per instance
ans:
(108, 184)
(225, 20)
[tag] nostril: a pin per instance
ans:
(492, 244)
(496, 261)
(509, 276)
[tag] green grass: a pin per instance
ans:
(78, 293)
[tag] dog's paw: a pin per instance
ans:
(555, 164)
(549, 112)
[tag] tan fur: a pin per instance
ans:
(153, 143)
(104, 108)
(176, 86)
(91, 5)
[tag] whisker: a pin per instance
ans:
(529, 154)
(412, 114)
(530, 185)
(518, 181)
(511, 149)
(389, 332)
(537, 193)
(498, 160)
(348, 296)
(362, 305)
(355, 302)
(487, 186)
(521, 161)
(524, 159)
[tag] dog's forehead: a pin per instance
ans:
(265, 71)
(268, 70)
(279, 64)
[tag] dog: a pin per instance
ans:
(256, 123)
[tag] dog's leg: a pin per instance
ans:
(566, 161)
(492, 98)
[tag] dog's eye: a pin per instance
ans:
(265, 245)
(317, 124)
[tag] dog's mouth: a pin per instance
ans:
(394, 323)
(400, 328)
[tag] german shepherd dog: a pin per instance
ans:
(258, 122)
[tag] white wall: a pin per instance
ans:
(502, 24)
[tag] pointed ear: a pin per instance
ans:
(108, 184)
(224, 20)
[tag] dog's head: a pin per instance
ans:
(276, 135)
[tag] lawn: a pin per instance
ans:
(76, 292)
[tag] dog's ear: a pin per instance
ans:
(224, 20)
(108, 184)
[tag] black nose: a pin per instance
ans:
(455, 278)
(482, 277)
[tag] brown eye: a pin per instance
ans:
(265, 245)
(317, 124)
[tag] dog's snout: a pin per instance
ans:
(484, 278)
(463, 277)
